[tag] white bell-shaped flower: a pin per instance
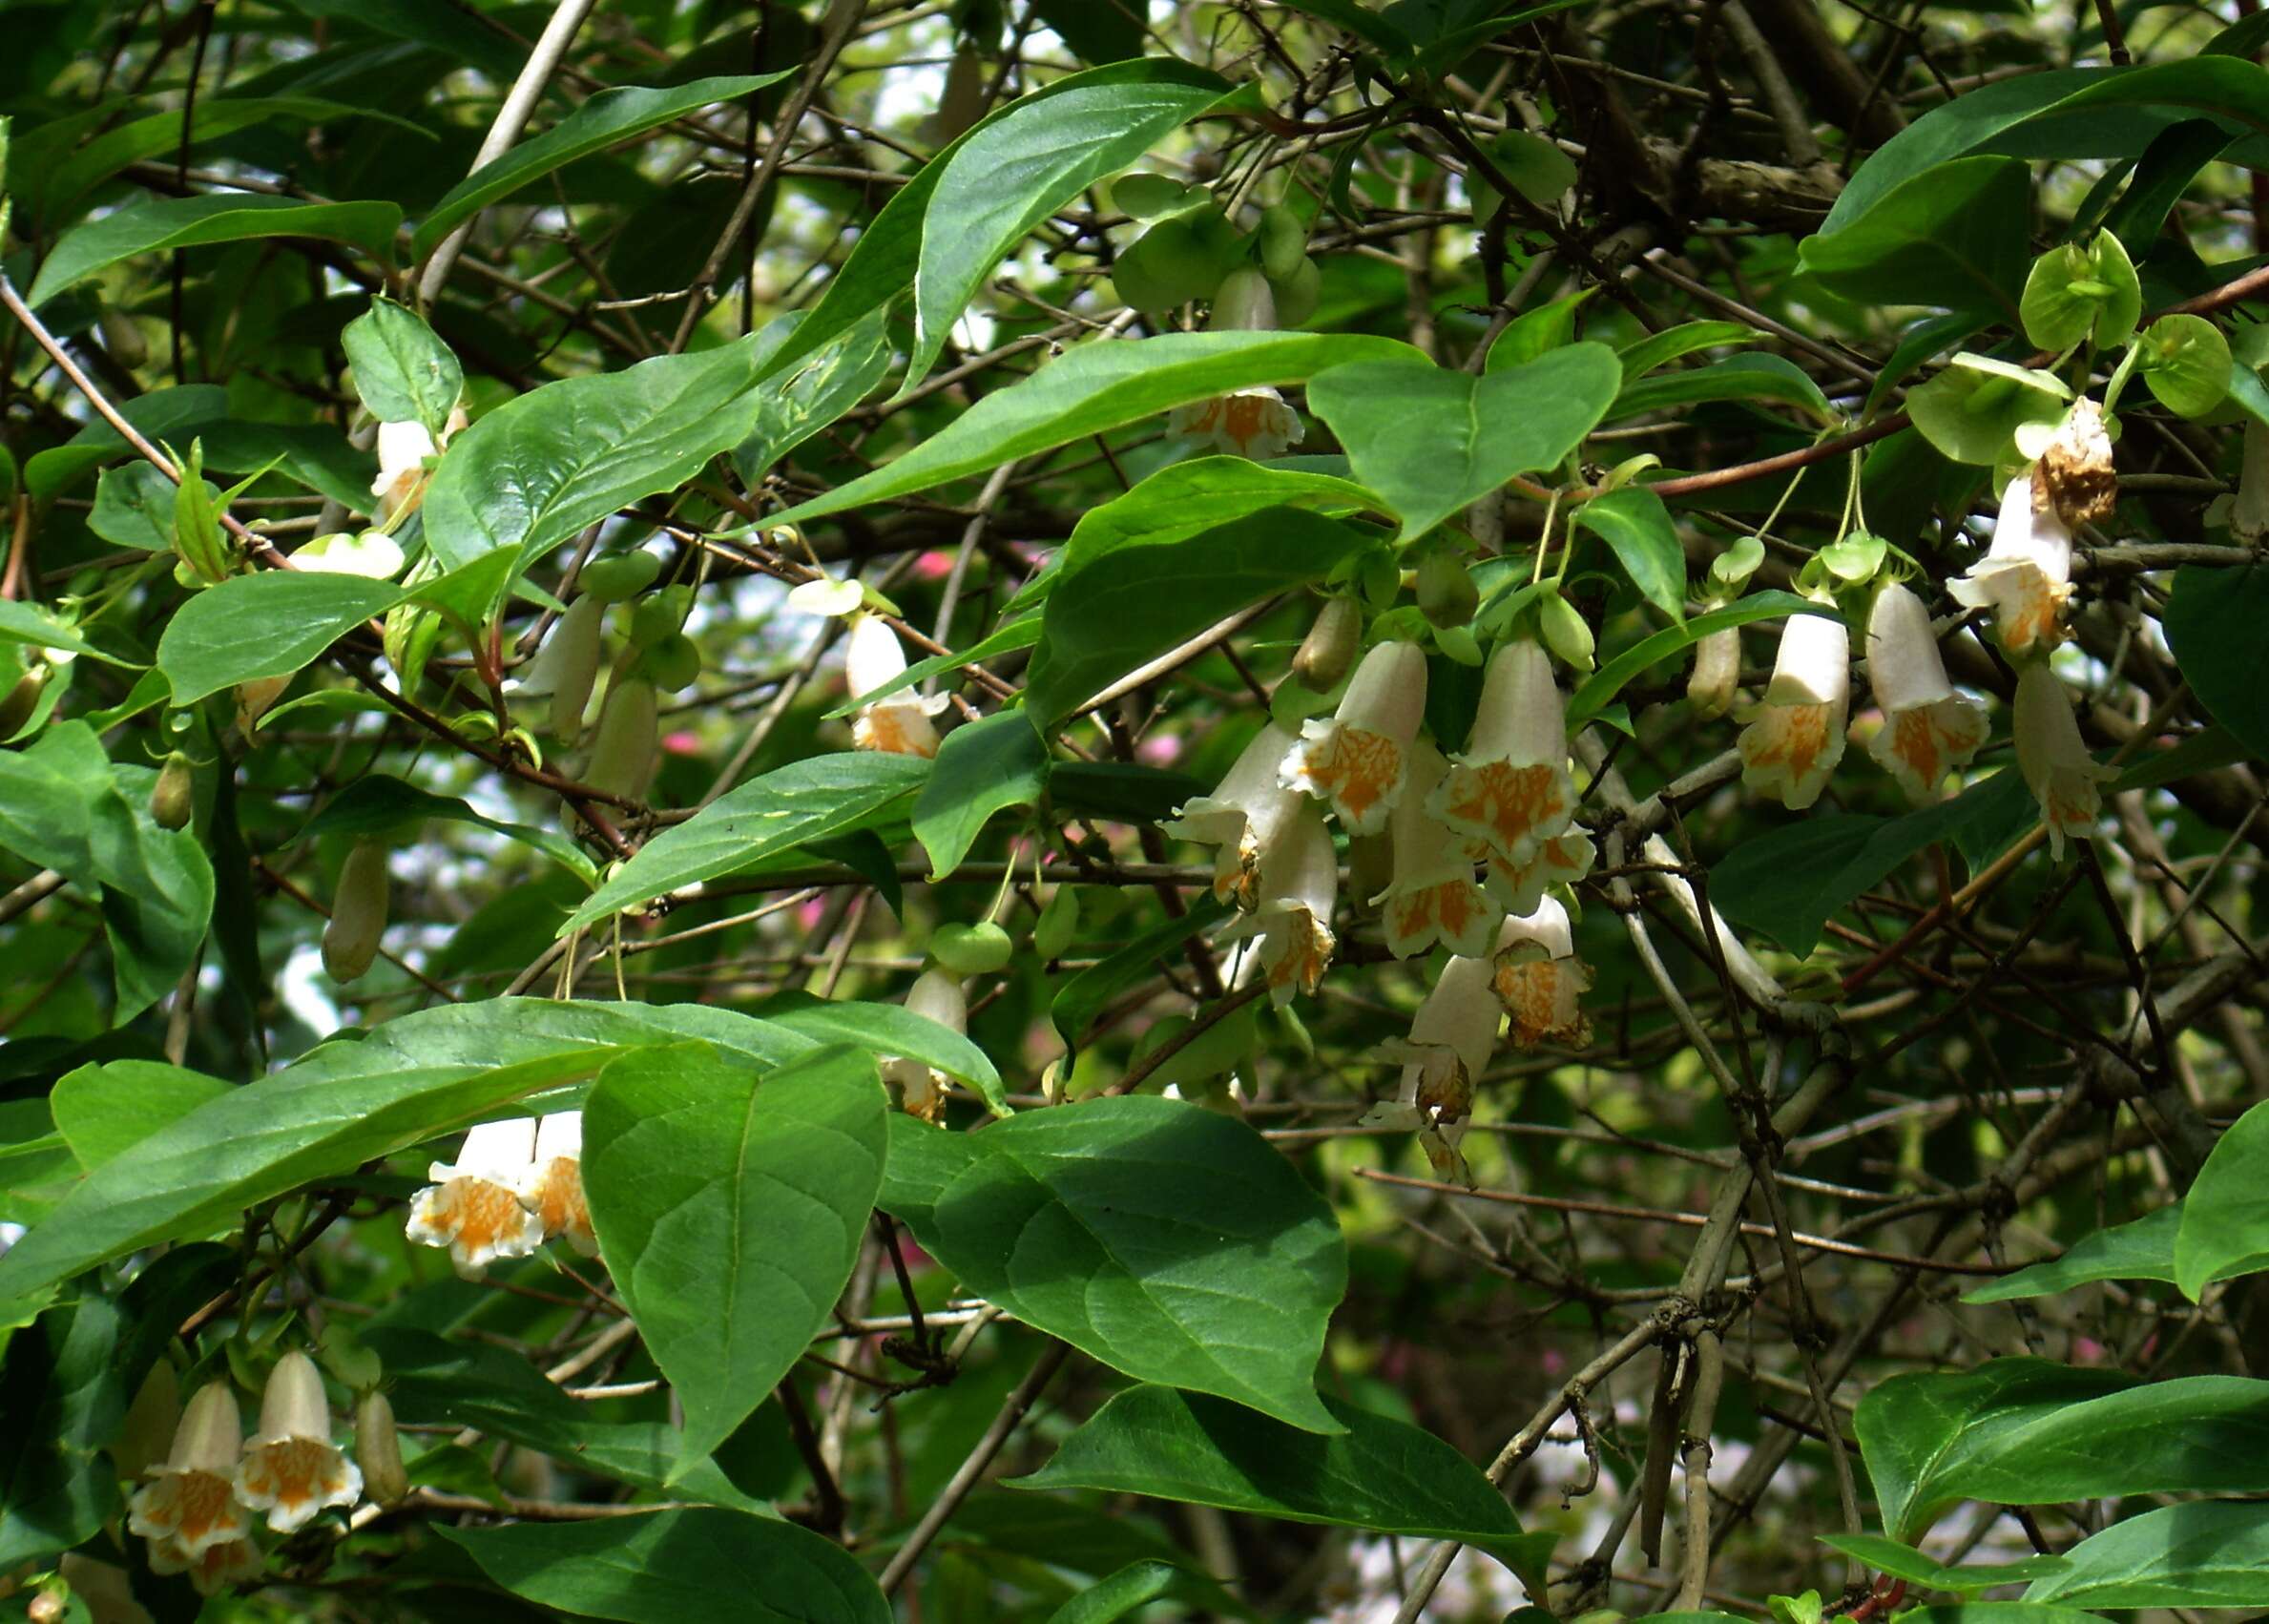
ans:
(2026, 575)
(1929, 730)
(190, 1504)
(403, 449)
(1797, 736)
(1540, 980)
(1241, 816)
(291, 1469)
(474, 1205)
(2249, 510)
(1519, 886)
(1434, 896)
(897, 723)
(1298, 888)
(219, 1567)
(1247, 422)
(2064, 777)
(552, 1187)
(1359, 758)
(1510, 788)
(936, 995)
(1452, 1039)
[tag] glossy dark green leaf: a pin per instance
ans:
(134, 507)
(611, 117)
(2205, 1554)
(1737, 378)
(2213, 623)
(1906, 1562)
(2224, 1230)
(539, 468)
(266, 624)
(1377, 1474)
(1532, 335)
(669, 1567)
(2143, 1250)
(103, 1109)
(805, 801)
(176, 416)
(160, 135)
(381, 804)
(1638, 528)
(346, 1103)
(1954, 236)
(1017, 634)
(1081, 999)
(1659, 349)
(983, 767)
(163, 224)
(2027, 1432)
(1123, 1593)
(34, 625)
(886, 1030)
(1600, 688)
(730, 1209)
(1165, 1240)
(403, 370)
(1099, 386)
(1431, 440)
(791, 410)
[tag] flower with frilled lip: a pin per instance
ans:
(1797, 737)
(1433, 896)
(2026, 575)
(937, 995)
(897, 723)
(213, 1569)
(1241, 816)
(474, 1205)
(1929, 730)
(1540, 980)
(190, 1504)
(1519, 886)
(1452, 1039)
(1298, 887)
(1248, 423)
(291, 1469)
(1511, 788)
(1359, 760)
(552, 1187)
(2055, 760)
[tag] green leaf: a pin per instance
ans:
(828, 385)
(379, 803)
(1788, 882)
(1531, 337)
(1094, 387)
(2078, 292)
(1643, 355)
(886, 1030)
(2202, 1555)
(1121, 1593)
(134, 507)
(2224, 1229)
(2027, 1432)
(263, 625)
(1971, 410)
(1906, 1562)
(1600, 688)
(101, 1110)
(982, 768)
(1166, 1240)
(36, 626)
(2186, 361)
(1108, 613)
(166, 223)
(1431, 440)
(2213, 623)
(1011, 173)
(1081, 999)
(1737, 378)
(729, 1211)
(888, 255)
(175, 414)
(160, 135)
(1953, 236)
(541, 466)
(1634, 523)
(346, 1103)
(673, 1566)
(803, 802)
(1375, 1473)
(1997, 1612)
(609, 117)
(2143, 1250)
(403, 371)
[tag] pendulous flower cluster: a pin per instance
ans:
(514, 1185)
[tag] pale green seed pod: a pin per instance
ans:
(673, 662)
(358, 913)
(173, 797)
(623, 754)
(1328, 652)
(972, 949)
(622, 577)
(378, 1450)
(1058, 923)
(580, 637)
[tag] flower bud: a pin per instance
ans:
(579, 641)
(972, 949)
(358, 913)
(1058, 923)
(1283, 242)
(619, 578)
(961, 102)
(378, 1450)
(1565, 631)
(1716, 674)
(253, 699)
(1299, 294)
(1243, 304)
(623, 755)
(1328, 652)
(658, 614)
(173, 797)
(1446, 596)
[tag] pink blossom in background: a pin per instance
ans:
(809, 914)
(1553, 1361)
(2087, 1350)
(934, 566)
(1160, 750)
(682, 742)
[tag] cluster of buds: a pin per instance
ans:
(196, 1509)
(514, 1185)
